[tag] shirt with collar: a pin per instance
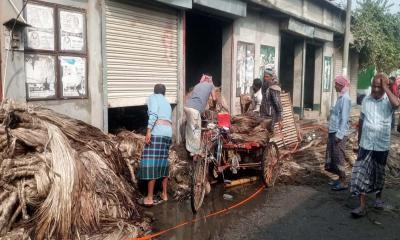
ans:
(339, 116)
(377, 118)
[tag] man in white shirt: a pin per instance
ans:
(257, 95)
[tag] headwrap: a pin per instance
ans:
(395, 87)
(269, 71)
(206, 78)
(342, 81)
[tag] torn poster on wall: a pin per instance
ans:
(327, 74)
(40, 76)
(41, 34)
(267, 58)
(73, 76)
(244, 68)
(72, 32)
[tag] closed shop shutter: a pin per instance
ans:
(141, 50)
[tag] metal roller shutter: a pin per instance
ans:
(141, 50)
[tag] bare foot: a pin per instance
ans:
(164, 197)
(148, 201)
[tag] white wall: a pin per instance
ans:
(89, 110)
(260, 29)
(327, 97)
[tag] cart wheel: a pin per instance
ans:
(199, 182)
(270, 164)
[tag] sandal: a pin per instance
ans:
(339, 187)
(359, 212)
(158, 200)
(379, 204)
(141, 202)
(333, 183)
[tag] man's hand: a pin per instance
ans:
(385, 82)
(337, 140)
(147, 139)
(280, 125)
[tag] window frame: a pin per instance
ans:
(57, 52)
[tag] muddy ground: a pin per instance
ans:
(286, 212)
(301, 206)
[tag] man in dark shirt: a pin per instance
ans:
(271, 106)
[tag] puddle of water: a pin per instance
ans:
(172, 213)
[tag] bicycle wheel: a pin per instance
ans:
(198, 186)
(270, 165)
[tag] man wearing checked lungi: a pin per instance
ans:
(154, 161)
(368, 174)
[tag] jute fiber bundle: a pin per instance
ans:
(61, 178)
(250, 129)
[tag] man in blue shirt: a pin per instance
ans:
(338, 131)
(154, 161)
(368, 174)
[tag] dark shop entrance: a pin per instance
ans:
(286, 70)
(203, 47)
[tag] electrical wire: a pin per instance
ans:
(3, 85)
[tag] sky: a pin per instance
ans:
(395, 8)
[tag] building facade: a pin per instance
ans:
(98, 60)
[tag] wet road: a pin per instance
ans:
(286, 212)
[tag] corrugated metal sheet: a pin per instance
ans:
(141, 50)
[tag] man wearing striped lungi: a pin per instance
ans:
(368, 175)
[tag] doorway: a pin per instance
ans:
(286, 61)
(203, 47)
(309, 78)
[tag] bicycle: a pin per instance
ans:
(216, 149)
(211, 149)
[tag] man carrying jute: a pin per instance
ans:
(195, 106)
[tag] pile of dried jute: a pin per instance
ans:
(250, 129)
(61, 178)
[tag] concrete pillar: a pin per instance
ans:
(298, 76)
(226, 73)
(94, 23)
(318, 79)
(178, 114)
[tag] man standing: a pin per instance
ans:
(338, 131)
(195, 105)
(271, 106)
(368, 175)
(256, 97)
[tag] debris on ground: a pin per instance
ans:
(179, 173)
(61, 178)
(393, 162)
(131, 146)
(306, 166)
(227, 197)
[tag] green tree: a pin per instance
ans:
(376, 34)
